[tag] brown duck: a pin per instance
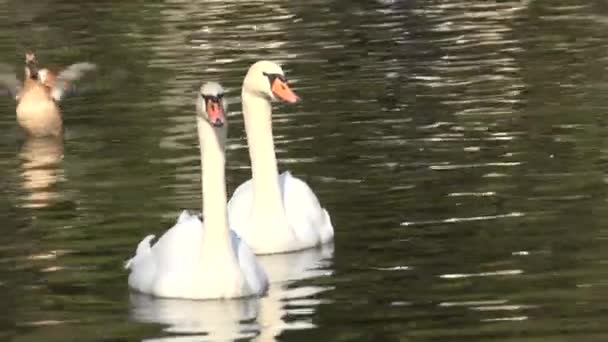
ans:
(38, 112)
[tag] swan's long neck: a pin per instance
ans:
(215, 214)
(264, 172)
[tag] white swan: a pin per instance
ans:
(192, 261)
(289, 304)
(273, 213)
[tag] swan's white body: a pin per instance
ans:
(262, 319)
(272, 213)
(300, 223)
(181, 265)
(197, 261)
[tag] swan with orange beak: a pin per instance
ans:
(194, 259)
(273, 213)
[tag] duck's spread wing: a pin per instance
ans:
(9, 84)
(64, 83)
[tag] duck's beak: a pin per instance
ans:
(281, 90)
(215, 112)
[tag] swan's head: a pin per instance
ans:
(267, 79)
(211, 105)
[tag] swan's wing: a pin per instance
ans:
(142, 266)
(178, 248)
(304, 212)
(64, 84)
(310, 222)
(171, 259)
(9, 84)
(143, 249)
(254, 273)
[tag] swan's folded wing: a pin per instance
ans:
(170, 261)
(142, 251)
(177, 249)
(9, 84)
(310, 221)
(64, 84)
(252, 270)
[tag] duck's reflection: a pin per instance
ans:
(40, 170)
(235, 319)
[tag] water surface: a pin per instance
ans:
(459, 146)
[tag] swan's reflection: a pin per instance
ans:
(40, 170)
(234, 319)
(206, 320)
(283, 270)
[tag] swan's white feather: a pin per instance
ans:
(177, 266)
(309, 224)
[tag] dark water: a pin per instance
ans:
(461, 148)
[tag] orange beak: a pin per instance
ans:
(281, 90)
(215, 113)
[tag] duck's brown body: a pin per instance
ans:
(37, 113)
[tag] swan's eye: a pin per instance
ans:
(274, 77)
(212, 98)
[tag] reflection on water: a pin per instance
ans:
(286, 299)
(201, 320)
(262, 318)
(40, 169)
(458, 145)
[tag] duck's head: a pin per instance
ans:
(211, 105)
(267, 79)
(31, 65)
(30, 57)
